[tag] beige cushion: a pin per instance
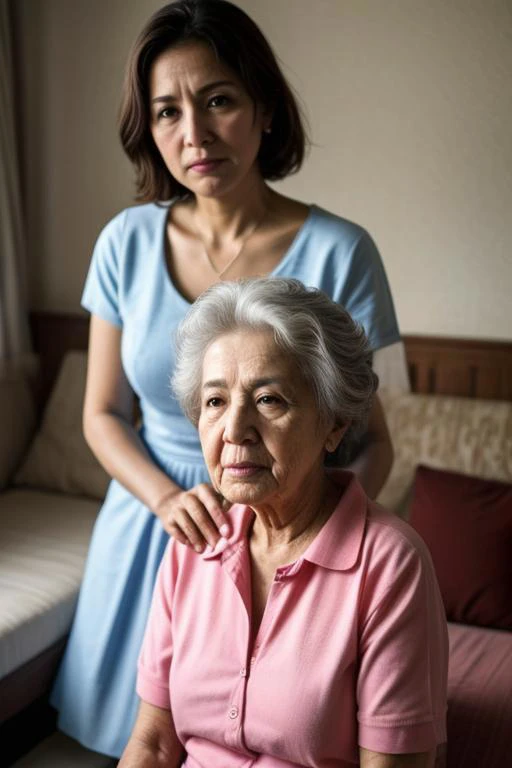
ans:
(17, 420)
(59, 459)
(454, 433)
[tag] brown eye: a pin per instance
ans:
(218, 101)
(167, 112)
(269, 400)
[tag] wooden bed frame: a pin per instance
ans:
(442, 366)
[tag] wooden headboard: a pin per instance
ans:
(443, 366)
(465, 367)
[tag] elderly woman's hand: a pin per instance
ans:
(194, 517)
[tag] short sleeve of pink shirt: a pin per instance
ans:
(402, 679)
(351, 651)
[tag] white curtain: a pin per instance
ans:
(15, 348)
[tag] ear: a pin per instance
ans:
(335, 437)
(267, 114)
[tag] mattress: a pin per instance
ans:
(44, 539)
(480, 698)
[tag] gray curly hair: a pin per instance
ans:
(331, 349)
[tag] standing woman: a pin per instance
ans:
(207, 119)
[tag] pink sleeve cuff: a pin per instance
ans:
(402, 739)
(152, 692)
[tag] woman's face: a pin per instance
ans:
(259, 425)
(203, 121)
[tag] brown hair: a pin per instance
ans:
(238, 42)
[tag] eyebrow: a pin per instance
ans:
(254, 384)
(204, 88)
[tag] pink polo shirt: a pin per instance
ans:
(352, 648)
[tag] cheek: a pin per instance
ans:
(211, 442)
(165, 144)
(242, 129)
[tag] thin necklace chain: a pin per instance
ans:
(240, 250)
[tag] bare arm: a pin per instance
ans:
(368, 759)
(373, 464)
(108, 428)
(153, 743)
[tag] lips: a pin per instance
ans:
(206, 165)
(243, 469)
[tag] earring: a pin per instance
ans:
(268, 129)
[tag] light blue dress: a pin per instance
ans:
(129, 285)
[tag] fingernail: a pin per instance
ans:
(225, 530)
(198, 548)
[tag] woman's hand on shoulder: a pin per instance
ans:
(195, 517)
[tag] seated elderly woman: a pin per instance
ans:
(313, 634)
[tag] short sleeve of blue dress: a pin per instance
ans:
(340, 258)
(101, 290)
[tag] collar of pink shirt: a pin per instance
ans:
(335, 547)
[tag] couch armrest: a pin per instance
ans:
(17, 420)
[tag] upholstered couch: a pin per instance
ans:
(51, 486)
(50, 490)
(452, 479)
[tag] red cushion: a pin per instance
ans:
(467, 525)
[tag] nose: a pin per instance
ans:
(239, 426)
(196, 132)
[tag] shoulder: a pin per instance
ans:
(325, 224)
(136, 219)
(394, 553)
(342, 243)
(388, 531)
(133, 231)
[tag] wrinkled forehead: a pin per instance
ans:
(247, 355)
(193, 60)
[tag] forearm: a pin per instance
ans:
(369, 759)
(121, 452)
(140, 755)
(194, 516)
(373, 465)
(153, 743)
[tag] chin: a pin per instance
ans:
(247, 496)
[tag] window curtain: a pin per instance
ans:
(15, 347)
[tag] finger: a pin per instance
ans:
(204, 522)
(217, 507)
(184, 529)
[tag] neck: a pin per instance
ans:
(291, 524)
(221, 220)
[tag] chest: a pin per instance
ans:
(193, 269)
(275, 688)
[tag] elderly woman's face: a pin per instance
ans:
(260, 430)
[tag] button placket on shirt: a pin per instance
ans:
(234, 733)
(235, 709)
(234, 713)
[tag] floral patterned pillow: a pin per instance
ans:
(465, 435)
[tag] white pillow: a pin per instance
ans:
(59, 459)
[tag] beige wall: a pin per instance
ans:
(410, 106)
